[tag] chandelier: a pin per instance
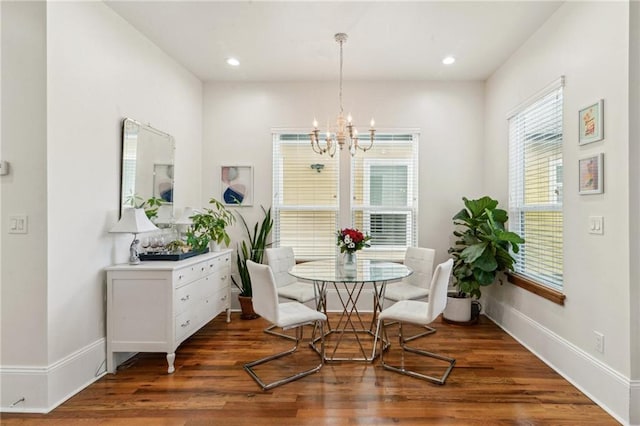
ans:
(344, 127)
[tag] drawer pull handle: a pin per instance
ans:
(202, 268)
(180, 277)
(224, 278)
(185, 298)
(186, 324)
(223, 297)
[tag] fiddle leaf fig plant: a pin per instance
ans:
(481, 249)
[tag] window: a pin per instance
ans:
(383, 203)
(535, 187)
(305, 197)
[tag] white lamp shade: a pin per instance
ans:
(165, 214)
(134, 221)
(185, 218)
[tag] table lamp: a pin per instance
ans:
(184, 221)
(134, 221)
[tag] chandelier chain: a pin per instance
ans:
(341, 109)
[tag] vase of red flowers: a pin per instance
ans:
(350, 241)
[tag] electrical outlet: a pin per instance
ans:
(599, 342)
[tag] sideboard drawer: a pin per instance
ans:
(189, 274)
(185, 324)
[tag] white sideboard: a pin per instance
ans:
(156, 305)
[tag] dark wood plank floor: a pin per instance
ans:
(495, 382)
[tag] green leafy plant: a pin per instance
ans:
(210, 225)
(482, 246)
(254, 250)
(150, 206)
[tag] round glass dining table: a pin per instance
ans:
(349, 285)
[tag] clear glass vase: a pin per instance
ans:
(349, 262)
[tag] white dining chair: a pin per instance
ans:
(281, 260)
(286, 315)
(418, 313)
(416, 285)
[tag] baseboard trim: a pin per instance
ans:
(602, 384)
(634, 403)
(27, 389)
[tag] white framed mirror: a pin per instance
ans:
(147, 168)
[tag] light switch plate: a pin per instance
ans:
(18, 224)
(596, 225)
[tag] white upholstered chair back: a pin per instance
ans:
(438, 290)
(281, 259)
(420, 260)
(265, 293)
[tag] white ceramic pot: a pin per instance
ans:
(458, 309)
(214, 246)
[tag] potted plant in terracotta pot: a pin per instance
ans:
(480, 252)
(253, 250)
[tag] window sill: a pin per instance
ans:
(536, 288)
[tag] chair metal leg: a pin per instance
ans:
(272, 327)
(402, 370)
(266, 386)
(428, 331)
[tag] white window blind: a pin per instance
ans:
(305, 191)
(383, 188)
(536, 187)
(384, 194)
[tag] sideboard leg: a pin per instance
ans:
(170, 359)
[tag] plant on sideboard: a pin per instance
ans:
(210, 225)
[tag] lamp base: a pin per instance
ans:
(134, 257)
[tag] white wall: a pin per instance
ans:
(238, 118)
(24, 191)
(634, 212)
(99, 70)
(587, 42)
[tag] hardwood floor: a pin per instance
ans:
(495, 382)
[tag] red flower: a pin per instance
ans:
(351, 240)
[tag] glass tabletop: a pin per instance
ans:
(366, 271)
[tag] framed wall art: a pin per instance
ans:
(591, 123)
(237, 185)
(591, 174)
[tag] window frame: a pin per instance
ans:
(544, 284)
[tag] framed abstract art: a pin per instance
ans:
(237, 185)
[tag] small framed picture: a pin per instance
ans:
(237, 185)
(591, 174)
(591, 124)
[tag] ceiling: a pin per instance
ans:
(388, 40)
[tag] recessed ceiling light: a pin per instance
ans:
(233, 62)
(448, 60)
